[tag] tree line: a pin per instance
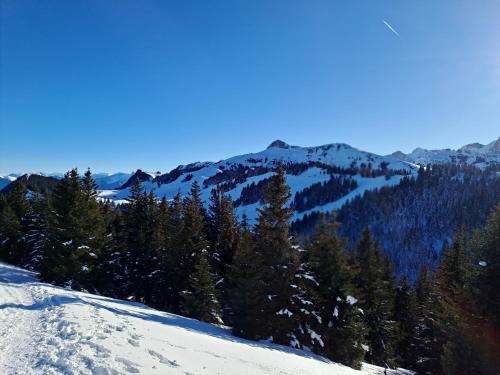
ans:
(320, 295)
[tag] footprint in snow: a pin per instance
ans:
(129, 366)
(162, 359)
(133, 342)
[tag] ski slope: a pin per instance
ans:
(50, 330)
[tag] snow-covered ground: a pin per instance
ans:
(49, 330)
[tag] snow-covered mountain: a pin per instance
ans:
(6, 180)
(111, 180)
(103, 180)
(50, 330)
(473, 154)
(307, 167)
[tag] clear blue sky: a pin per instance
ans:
(124, 84)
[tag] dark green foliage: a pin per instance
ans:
(471, 333)
(376, 291)
(485, 296)
(200, 300)
(279, 261)
(223, 232)
(244, 285)
(14, 219)
(193, 241)
(175, 273)
(339, 321)
(35, 183)
(75, 235)
(405, 315)
(429, 338)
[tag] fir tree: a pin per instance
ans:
(200, 300)
(376, 286)
(176, 275)
(485, 253)
(14, 226)
(75, 234)
(428, 340)
(459, 320)
(279, 260)
(244, 297)
(340, 321)
(193, 242)
(223, 232)
(405, 315)
(140, 224)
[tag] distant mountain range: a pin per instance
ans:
(473, 154)
(310, 171)
(103, 180)
(412, 213)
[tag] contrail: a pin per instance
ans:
(391, 28)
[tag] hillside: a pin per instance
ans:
(243, 176)
(50, 330)
(34, 182)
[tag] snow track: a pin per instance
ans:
(49, 330)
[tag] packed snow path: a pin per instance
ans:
(49, 330)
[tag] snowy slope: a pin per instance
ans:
(50, 330)
(111, 180)
(6, 180)
(473, 154)
(255, 167)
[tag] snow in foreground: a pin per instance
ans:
(49, 330)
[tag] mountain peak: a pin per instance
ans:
(278, 144)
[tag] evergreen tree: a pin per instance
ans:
(223, 231)
(485, 252)
(459, 320)
(14, 226)
(376, 290)
(37, 232)
(193, 242)
(244, 297)
(176, 275)
(405, 314)
(428, 340)
(141, 257)
(200, 300)
(75, 235)
(279, 261)
(339, 320)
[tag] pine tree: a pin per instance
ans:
(244, 298)
(223, 232)
(459, 321)
(10, 233)
(405, 314)
(14, 226)
(176, 275)
(428, 340)
(140, 224)
(109, 271)
(200, 300)
(485, 253)
(75, 234)
(279, 260)
(339, 320)
(193, 241)
(37, 232)
(376, 290)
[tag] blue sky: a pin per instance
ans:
(117, 85)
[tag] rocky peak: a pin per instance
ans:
(279, 144)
